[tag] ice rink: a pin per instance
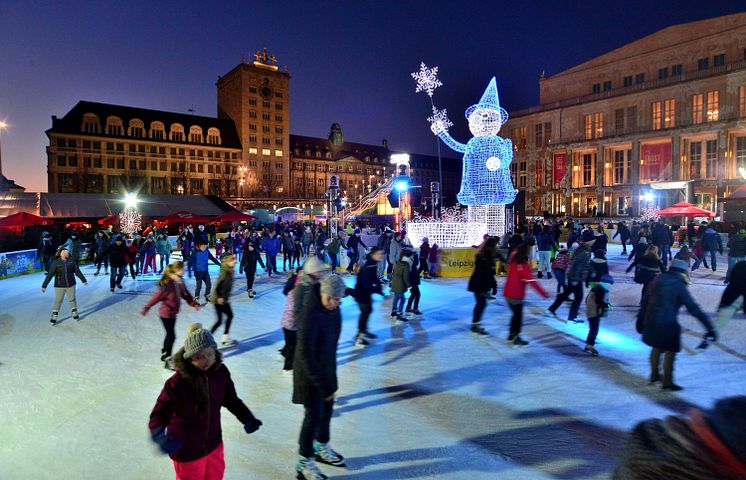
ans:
(427, 400)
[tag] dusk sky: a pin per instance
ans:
(349, 61)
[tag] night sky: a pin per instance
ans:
(350, 61)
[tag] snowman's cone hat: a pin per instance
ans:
(490, 100)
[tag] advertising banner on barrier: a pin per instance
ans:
(456, 262)
(22, 261)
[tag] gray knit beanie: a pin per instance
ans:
(197, 339)
(333, 286)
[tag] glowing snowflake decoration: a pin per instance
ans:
(130, 220)
(649, 213)
(427, 79)
(440, 118)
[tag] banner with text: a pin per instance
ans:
(654, 160)
(560, 167)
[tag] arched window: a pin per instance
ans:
(177, 132)
(91, 123)
(213, 136)
(195, 134)
(157, 131)
(137, 128)
(114, 126)
(328, 154)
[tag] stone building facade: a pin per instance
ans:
(670, 107)
(246, 154)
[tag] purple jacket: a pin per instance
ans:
(176, 408)
(170, 297)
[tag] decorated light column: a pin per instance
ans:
(129, 219)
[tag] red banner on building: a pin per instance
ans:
(560, 167)
(654, 160)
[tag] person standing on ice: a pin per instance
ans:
(64, 270)
(519, 276)
(199, 260)
(597, 306)
(482, 281)
(368, 283)
(315, 375)
(119, 257)
(659, 320)
(171, 290)
(485, 178)
(45, 251)
(185, 421)
(221, 299)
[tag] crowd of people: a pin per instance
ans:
(185, 422)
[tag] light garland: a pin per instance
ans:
(440, 117)
(453, 230)
(130, 220)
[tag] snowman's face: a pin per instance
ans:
(484, 121)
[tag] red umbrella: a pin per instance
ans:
(684, 209)
(234, 216)
(184, 217)
(23, 219)
(110, 220)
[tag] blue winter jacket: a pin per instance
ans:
(271, 246)
(544, 241)
(712, 241)
(198, 260)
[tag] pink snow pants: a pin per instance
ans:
(209, 467)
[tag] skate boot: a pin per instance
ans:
(416, 312)
(252, 293)
(207, 299)
(477, 328)
(361, 341)
(53, 320)
(164, 355)
(326, 454)
(168, 364)
(549, 275)
(106, 271)
(517, 341)
(119, 285)
(540, 275)
(76, 317)
(227, 341)
(590, 349)
(307, 469)
(96, 274)
(111, 290)
(367, 334)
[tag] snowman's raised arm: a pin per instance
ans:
(451, 142)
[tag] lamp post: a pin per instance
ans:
(3, 126)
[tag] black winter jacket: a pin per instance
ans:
(737, 246)
(736, 286)
(483, 278)
(250, 259)
(64, 273)
(368, 282)
(315, 363)
(118, 255)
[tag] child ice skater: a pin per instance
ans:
(597, 306)
(171, 290)
(221, 298)
(64, 270)
(248, 264)
(185, 422)
(148, 252)
(414, 280)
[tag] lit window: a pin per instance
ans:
(656, 115)
(598, 120)
(265, 151)
(697, 108)
(252, 150)
(669, 113)
(278, 153)
(713, 113)
(742, 102)
(588, 126)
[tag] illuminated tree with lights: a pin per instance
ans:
(129, 219)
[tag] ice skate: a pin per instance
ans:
(554, 315)
(394, 315)
(517, 341)
(111, 290)
(252, 294)
(164, 355)
(591, 350)
(106, 271)
(477, 328)
(96, 273)
(76, 317)
(549, 275)
(325, 454)
(308, 470)
(168, 364)
(119, 286)
(575, 320)
(53, 320)
(416, 312)
(673, 387)
(361, 341)
(367, 334)
(227, 341)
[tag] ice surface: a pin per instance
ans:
(427, 400)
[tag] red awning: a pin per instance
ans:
(684, 209)
(234, 216)
(23, 219)
(184, 217)
(110, 220)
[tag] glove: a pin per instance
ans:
(166, 444)
(349, 292)
(252, 425)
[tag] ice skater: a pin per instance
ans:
(171, 290)
(414, 282)
(119, 257)
(400, 283)
(185, 422)
(315, 375)
(658, 320)
(221, 299)
(597, 306)
(99, 248)
(163, 248)
(577, 274)
(287, 322)
(148, 251)
(199, 260)
(519, 276)
(250, 258)
(271, 246)
(64, 270)
(368, 283)
(46, 251)
(482, 281)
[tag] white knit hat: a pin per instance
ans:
(197, 339)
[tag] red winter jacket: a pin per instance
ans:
(176, 408)
(170, 297)
(519, 275)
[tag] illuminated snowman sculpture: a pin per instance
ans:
(486, 185)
